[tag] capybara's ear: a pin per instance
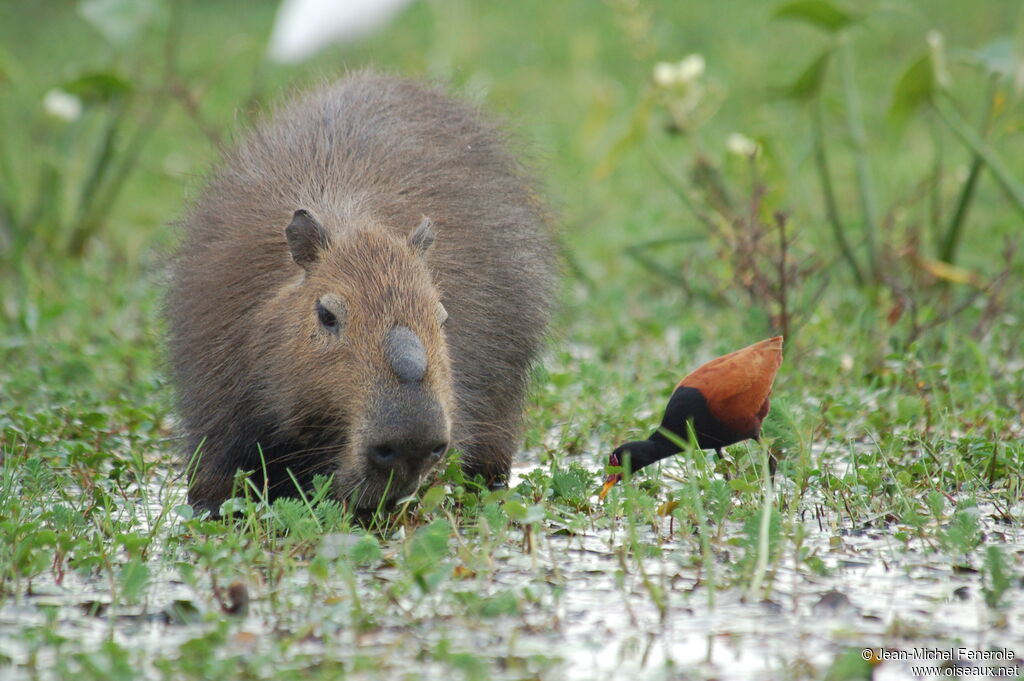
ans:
(306, 238)
(422, 237)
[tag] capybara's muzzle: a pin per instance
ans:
(408, 434)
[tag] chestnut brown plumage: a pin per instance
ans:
(726, 399)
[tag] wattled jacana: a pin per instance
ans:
(726, 399)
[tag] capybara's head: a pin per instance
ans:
(357, 370)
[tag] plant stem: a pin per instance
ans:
(858, 138)
(763, 533)
(935, 182)
(97, 209)
(949, 244)
(783, 274)
(828, 192)
(99, 168)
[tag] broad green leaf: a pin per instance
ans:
(821, 13)
(432, 497)
(534, 514)
(808, 84)
(515, 510)
(96, 88)
(430, 543)
(915, 87)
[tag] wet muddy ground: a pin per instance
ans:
(618, 601)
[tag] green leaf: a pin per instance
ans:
(134, 577)
(98, 87)
(821, 13)
(426, 552)
(996, 576)
(504, 603)
(430, 544)
(366, 550)
(524, 514)
(432, 497)
(515, 510)
(573, 482)
(914, 88)
(231, 506)
(964, 533)
(808, 84)
(319, 567)
(850, 666)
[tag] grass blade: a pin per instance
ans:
(855, 128)
(948, 248)
(829, 195)
(1014, 190)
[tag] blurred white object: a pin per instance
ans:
(690, 68)
(303, 27)
(741, 145)
(682, 73)
(62, 105)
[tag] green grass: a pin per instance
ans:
(901, 434)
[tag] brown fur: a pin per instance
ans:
(368, 157)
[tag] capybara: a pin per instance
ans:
(363, 283)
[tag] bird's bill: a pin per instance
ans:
(608, 484)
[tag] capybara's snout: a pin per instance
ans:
(406, 452)
(406, 436)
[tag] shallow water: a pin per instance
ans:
(584, 613)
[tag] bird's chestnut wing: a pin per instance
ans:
(736, 386)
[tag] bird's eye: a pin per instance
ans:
(442, 315)
(328, 319)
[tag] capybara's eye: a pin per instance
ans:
(442, 315)
(327, 318)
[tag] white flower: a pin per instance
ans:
(682, 73)
(690, 68)
(664, 74)
(741, 145)
(62, 105)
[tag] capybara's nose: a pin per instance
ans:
(406, 452)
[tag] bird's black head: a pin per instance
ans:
(633, 456)
(636, 455)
